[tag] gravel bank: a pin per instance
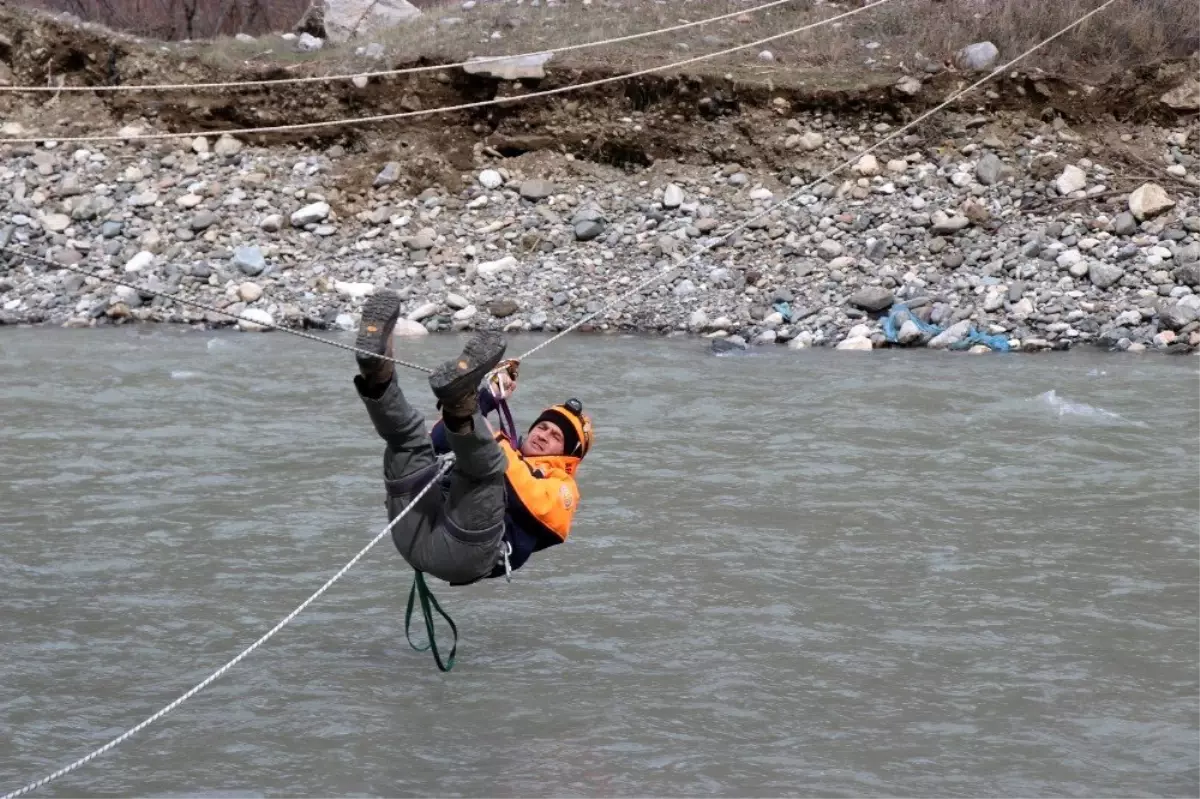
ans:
(1021, 231)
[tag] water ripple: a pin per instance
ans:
(798, 573)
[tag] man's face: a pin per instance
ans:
(544, 439)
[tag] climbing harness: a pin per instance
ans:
(618, 299)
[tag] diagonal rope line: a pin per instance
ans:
(446, 465)
(796, 195)
(203, 307)
(162, 87)
(446, 109)
(217, 674)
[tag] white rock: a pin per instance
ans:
(1069, 258)
(803, 340)
(491, 179)
(978, 56)
(456, 301)
(761, 194)
(830, 249)
(859, 331)
(56, 223)
(255, 320)
(909, 333)
(856, 343)
(1071, 180)
(249, 291)
(867, 166)
(354, 290)
(349, 19)
(139, 262)
(492, 267)
(407, 328)
(463, 314)
(310, 214)
(698, 319)
(811, 141)
(672, 196)
(1149, 200)
(345, 321)
(227, 146)
(514, 68)
(308, 43)
(422, 312)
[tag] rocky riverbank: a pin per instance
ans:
(1013, 227)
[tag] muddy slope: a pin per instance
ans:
(690, 118)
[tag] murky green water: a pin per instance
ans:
(819, 573)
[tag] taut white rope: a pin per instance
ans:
(796, 194)
(383, 73)
(446, 109)
(216, 674)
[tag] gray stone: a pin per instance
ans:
(203, 220)
(536, 189)
(1175, 315)
(990, 169)
(1124, 224)
(1104, 275)
(388, 175)
(977, 57)
(586, 231)
(250, 260)
(872, 298)
(951, 335)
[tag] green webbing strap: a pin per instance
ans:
(420, 589)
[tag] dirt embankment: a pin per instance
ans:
(691, 118)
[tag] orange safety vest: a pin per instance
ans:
(545, 487)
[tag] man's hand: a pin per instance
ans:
(502, 381)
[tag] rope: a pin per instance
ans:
(386, 72)
(203, 307)
(446, 109)
(216, 674)
(795, 195)
(344, 569)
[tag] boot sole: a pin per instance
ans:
(463, 374)
(379, 316)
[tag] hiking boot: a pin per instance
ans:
(379, 316)
(456, 382)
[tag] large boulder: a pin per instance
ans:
(342, 20)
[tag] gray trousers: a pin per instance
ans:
(456, 531)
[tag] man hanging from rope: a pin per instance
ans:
(503, 499)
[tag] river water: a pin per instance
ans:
(816, 573)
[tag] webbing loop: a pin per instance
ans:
(420, 590)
